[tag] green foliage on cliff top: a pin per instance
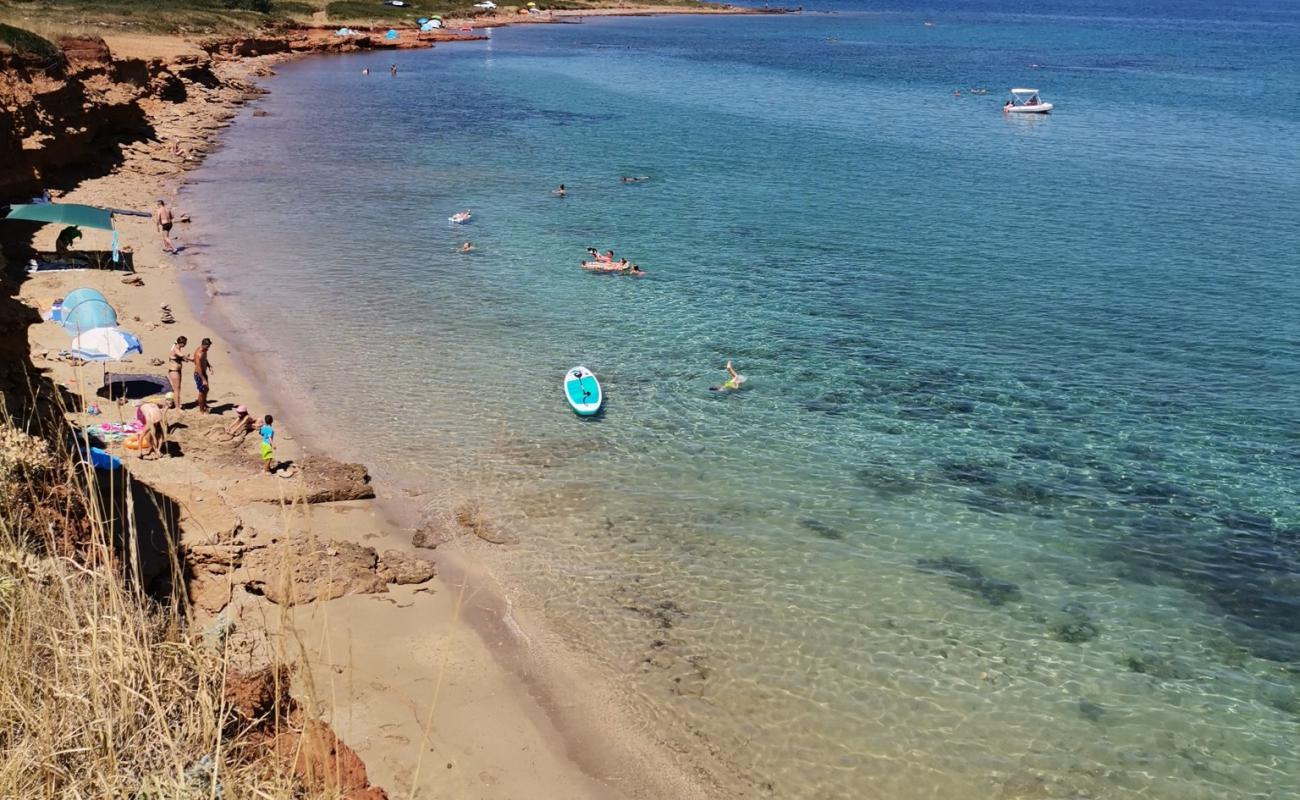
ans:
(91, 17)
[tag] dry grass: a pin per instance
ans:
(102, 691)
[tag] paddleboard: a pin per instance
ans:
(582, 390)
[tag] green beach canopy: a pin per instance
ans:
(64, 213)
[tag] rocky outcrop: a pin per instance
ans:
(293, 571)
(319, 761)
(328, 480)
(404, 568)
(80, 113)
(303, 571)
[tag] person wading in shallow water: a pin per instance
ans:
(201, 369)
(162, 217)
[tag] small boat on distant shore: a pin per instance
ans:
(1026, 101)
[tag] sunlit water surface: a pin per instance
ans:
(1009, 505)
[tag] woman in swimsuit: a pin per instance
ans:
(175, 359)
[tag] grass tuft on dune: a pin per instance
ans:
(103, 691)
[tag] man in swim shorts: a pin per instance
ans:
(201, 369)
(162, 217)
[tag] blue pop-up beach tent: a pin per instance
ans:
(85, 310)
(392, 34)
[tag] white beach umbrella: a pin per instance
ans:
(105, 344)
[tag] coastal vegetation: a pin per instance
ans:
(54, 18)
(103, 691)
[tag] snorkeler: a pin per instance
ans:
(733, 382)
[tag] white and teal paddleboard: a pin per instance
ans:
(582, 390)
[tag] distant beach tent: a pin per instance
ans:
(430, 25)
(63, 214)
(86, 310)
(421, 20)
(391, 35)
(344, 32)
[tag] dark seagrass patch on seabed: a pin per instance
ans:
(969, 578)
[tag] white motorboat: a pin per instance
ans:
(1026, 101)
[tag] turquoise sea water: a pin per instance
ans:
(1010, 506)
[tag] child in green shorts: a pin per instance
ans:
(268, 442)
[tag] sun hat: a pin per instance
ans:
(241, 410)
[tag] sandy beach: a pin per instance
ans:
(435, 683)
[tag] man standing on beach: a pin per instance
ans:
(162, 217)
(201, 369)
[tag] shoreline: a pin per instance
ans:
(577, 751)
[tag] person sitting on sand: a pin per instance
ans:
(66, 237)
(467, 247)
(558, 191)
(733, 382)
(242, 425)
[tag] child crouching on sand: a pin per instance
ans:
(268, 443)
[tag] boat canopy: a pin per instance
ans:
(1024, 91)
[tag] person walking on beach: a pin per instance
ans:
(268, 442)
(175, 361)
(162, 217)
(201, 369)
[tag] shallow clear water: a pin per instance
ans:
(1011, 503)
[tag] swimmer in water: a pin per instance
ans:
(733, 382)
(559, 191)
(636, 179)
(365, 71)
(467, 248)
